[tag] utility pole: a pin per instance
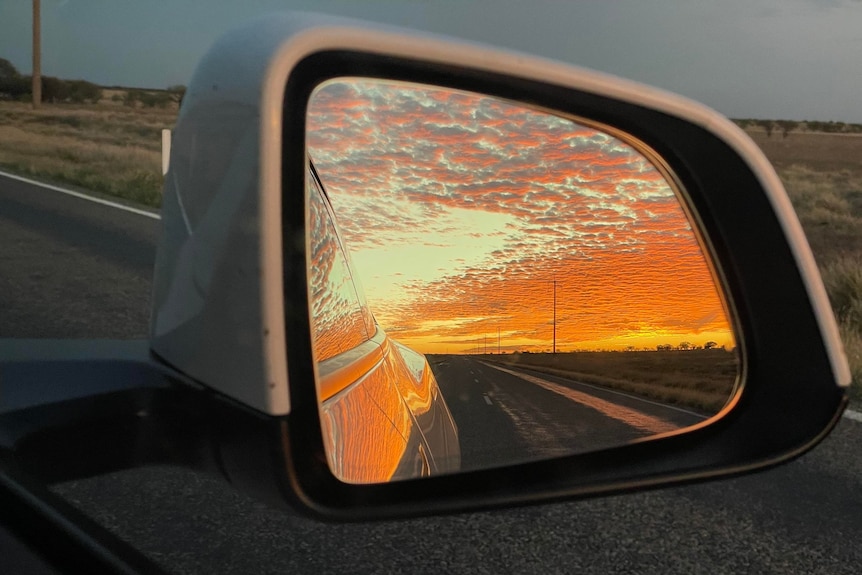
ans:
(555, 313)
(498, 340)
(37, 55)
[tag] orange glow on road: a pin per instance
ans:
(463, 213)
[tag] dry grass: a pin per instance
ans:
(103, 148)
(853, 347)
(823, 177)
(701, 379)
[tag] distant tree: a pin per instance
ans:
(630, 348)
(786, 126)
(664, 347)
(131, 98)
(53, 89)
(20, 89)
(154, 99)
(80, 91)
(13, 86)
(710, 345)
(685, 345)
(7, 69)
(177, 93)
(766, 125)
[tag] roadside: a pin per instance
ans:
(103, 148)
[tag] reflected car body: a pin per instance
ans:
(383, 415)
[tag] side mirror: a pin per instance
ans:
(572, 217)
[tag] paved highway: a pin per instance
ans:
(71, 268)
(507, 415)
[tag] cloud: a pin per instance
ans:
(512, 198)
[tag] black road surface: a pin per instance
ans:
(71, 268)
(507, 415)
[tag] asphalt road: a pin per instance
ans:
(509, 415)
(70, 268)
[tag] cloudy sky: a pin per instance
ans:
(794, 59)
(479, 207)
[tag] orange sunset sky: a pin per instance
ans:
(461, 212)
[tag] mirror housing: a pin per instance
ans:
(231, 305)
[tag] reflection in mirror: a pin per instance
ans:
(534, 286)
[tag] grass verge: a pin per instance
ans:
(112, 150)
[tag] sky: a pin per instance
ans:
(789, 59)
(492, 220)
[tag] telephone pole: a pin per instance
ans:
(37, 55)
(555, 314)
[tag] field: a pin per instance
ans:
(106, 148)
(113, 149)
(699, 379)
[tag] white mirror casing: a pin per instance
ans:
(219, 309)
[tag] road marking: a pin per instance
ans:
(487, 399)
(645, 400)
(854, 415)
(627, 415)
(637, 397)
(96, 200)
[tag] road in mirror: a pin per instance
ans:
(532, 285)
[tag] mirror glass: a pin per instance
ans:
(492, 283)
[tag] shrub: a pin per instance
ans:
(843, 280)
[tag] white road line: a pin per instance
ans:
(487, 399)
(140, 212)
(624, 394)
(627, 415)
(854, 415)
(643, 399)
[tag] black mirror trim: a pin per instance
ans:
(789, 398)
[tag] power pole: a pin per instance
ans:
(498, 340)
(555, 313)
(37, 55)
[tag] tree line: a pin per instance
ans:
(17, 86)
(786, 126)
(151, 98)
(686, 346)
